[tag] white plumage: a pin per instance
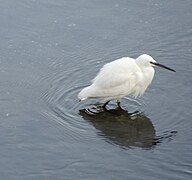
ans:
(122, 77)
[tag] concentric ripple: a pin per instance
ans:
(63, 104)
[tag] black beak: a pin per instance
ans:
(160, 65)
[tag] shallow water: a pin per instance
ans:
(50, 50)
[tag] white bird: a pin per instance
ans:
(120, 78)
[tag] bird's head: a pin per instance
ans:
(145, 60)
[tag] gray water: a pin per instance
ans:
(50, 50)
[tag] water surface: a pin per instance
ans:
(50, 50)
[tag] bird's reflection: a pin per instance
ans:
(119, 127)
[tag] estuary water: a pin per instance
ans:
(50, 50)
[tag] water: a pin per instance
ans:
(50, 50)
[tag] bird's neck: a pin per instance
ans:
(148, 73)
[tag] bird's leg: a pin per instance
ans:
(119, 106)
(104, 105)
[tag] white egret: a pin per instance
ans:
(122, 77)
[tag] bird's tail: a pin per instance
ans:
(85, 93)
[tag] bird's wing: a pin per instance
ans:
(118, 73)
